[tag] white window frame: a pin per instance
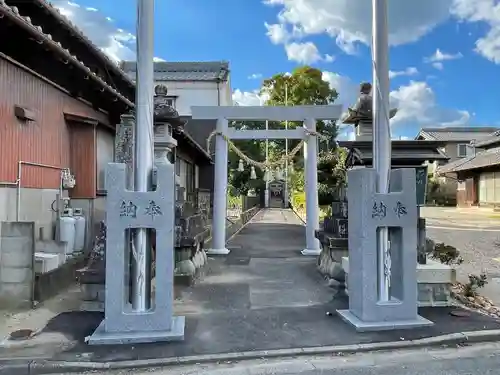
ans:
(464, 145)
(170, 100)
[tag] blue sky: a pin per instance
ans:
(444, 53)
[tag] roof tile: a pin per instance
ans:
(183, 71)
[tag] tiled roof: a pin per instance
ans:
(12, 14)
(411, 151)
(480, 160)
(65, 22)
(183, 71)
(457, 134)
(490, 141)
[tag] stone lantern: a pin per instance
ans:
(166, 121)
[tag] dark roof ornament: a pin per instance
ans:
(164, 112)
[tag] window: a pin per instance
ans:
(170, 100)
(462, 150)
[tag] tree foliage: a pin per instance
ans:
(305, 86)
(331, 174)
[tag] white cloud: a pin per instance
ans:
(349, 21)
(439, 56)
(255, 76)
(117, 43)
(438, 65)
(303, 53)
(488, 13)
(246, 98)
(277, 33)
(416, 103)
(329, 58)
(411, 71)
(347, 90)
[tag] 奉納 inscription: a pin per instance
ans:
(400, 209)
(153, 209)
(128, 209)
(343, 229)
(379, 210)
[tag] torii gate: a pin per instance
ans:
(309, 114)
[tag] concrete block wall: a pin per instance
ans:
(35, 207)
(17, 276)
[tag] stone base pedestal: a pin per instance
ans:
(223, 251)
(434, 282)
(311, 252)
(101, 337)
(364, 326)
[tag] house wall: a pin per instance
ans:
(198, 93)
(479, 187)
(451, 150)
(48, 141)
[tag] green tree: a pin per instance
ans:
(305, 86)
(331, 174)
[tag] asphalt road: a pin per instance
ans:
(481, 359)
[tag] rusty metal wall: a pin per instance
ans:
(47, 140)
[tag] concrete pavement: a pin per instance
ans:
(264, 299)
(476, 235)
(480, 359)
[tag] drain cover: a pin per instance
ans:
(21, 334)
(460, 313)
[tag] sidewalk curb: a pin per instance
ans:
(43, 367)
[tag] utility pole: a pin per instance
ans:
(381, 132)
(268, 171)
(286, 149)
(143, 161)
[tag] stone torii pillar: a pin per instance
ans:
(308, 115)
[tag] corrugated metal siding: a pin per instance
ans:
(45, 140)
(83, 142)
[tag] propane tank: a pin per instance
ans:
(80, 224)
(67, 231)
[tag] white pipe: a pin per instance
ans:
(143, 161)
(381, 132)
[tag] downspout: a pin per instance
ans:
(218, 91)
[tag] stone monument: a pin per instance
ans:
(334, 240)
(154, 210)
(370, 210)
(361, 115)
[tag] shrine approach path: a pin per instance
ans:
(264, 269)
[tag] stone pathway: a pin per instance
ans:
(264, 295)
(264, 270)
